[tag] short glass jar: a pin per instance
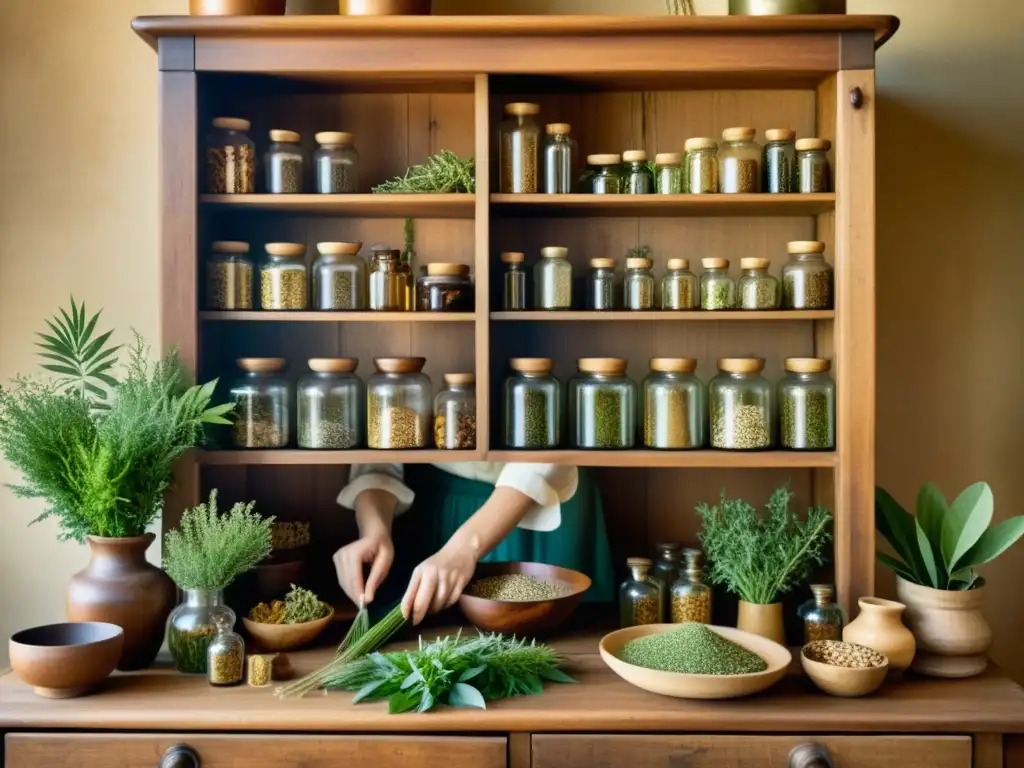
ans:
(284, 277)
(717, 289)
(602, 404)
(533, 402)
(263, 403)
(638, 286)
(601, 284)
(339, 277)
(191, 628)
(807, 279)
(814, 172)
(779, 161)
(807, 405)
(637, 178)
(757, 289)
(455, 413)
(823, 618)
(674, 407)
(668, 173)
(225, 656)
(518, 148)
(229, 272)
(513, 294)
(283, 161)
(690, 596)
(680, 288)
(603, 175)
(391, 282)
(739, 161)
(230, 158)
(336, 163)
(552, 279)
(640, 600)
(740, 405)
(330, 404)
(398, 404)
(446, 287)
(700, 167)
(667, 563)
(559, 159)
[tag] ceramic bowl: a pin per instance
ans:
(685, 686)
(64, 660)
(287, 637)
(236, 7)
(531, 618)
(843, 681)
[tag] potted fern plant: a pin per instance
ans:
(98, 449)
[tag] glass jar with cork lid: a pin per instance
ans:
(638, 286)
(602, 404)
(518, 149)
(447, 287)
(717, 289)
(330, 403)
(601, 284)
(391, 283)
(284, 277)
(807, 405)
(225, 655)
(668, 173)
(690, 596)
(673, 405)
(230, 158)
(513, 294)
(283, 161)
(552, 279)
(739, 162)
(823, 618)
(680, 288)
(779, 161)
(229, 272)
(757, 289)
(603, 176)
(807, 279)
(399, 400)
(640, 600)
(336, 163)
(740, 405)
(637, 178)
(814, 172)
(455, 413)
(339, 277)
(263, 400)
(559, 159)
(533, 404)
(700, 169)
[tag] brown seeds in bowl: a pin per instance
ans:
(516, 587)
(840, 654)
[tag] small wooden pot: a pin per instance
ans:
(236, 7)
(879, 627)
(763, 620)
(384, 7)
(949, 626)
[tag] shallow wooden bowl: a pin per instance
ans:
(685, 686)
(287, 637)
(844, 681)
(236, 7)
(535, 617)
(64, 660)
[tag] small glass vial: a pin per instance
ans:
(230, 158)
(679, 287)
(667, 565)
(336, 163)
(284, 163)
(518, 140)
(339, 277)
(807, 279)
(757, 289)
(814, 172)
(640, 596)
(823, 619)
(690, 598)
(638, 287)
(779, 161)
(603, 176)
(513, 294)
(717, 289)
(455, 413)
(559, 159)
(447, 287)
(673, 405)
(740, 405)
(739, 162)
(552, 279)
(263, 404)
(637, 178)
(602, 402)
(700, 170)
(391, 283)
(533, 399)
(225, 655)
(601, 284)
(330, 404)
(284, 278)
(398, 404)
(229, 272)
(668, 173)
(807, 405)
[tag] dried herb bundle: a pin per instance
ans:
(302, 605)
(443, 172)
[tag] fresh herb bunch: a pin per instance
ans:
(209, 550)
(762, 556)
(302, 605)
(443, 172)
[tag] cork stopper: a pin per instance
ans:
(639, 262)
(808, 364)
(289, 250)
(339, 249)
(668, 158)
(806, 144)
(399, 364)
(634, 156)
(753, 263)
(745, 133)
(531, 364)
(554, 252)
(779, 134)
(741, 364)
(261, 364)
(513, 257)
(333, 364)
(715, 263)
(640, 566)
(602, 365)
(557, 129)
(230, 246)
(678, 263)
(602, 160)
(700, 143)
(335, 138)
(231, 123)
(288, 137)
(673, 364)
(823, 594)
(443, 268)
(460, 379)
(602, 263)
(522, 108)
(805, 246)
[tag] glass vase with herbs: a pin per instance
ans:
(823, 618)
(807, 279)
(807, 405)
(398, 403)
(518, 149)
(602, 404)
(640, 600)
(740, 404)
(673, 403)
(533, 404)
(262, 399)
(717, 288)
(330, 403)
(689, 596)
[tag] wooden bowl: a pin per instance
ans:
(287, 637)
(236, 7)
(64, 660)
(532, 618)
(844, 681)
(685, 686)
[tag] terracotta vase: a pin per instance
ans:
(119, 586)
(763, 620)
(949, 626)
(878, 626)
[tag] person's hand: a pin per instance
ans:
(438, 581)
(375, 548)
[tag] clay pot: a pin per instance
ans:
(763, 620)
(879, 627)
(119, 586)
(949, 626)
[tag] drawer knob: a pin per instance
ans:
(810, 756)
(856, 98)
(180, 756)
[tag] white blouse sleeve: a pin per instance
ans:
(382, 477)
(548, 485)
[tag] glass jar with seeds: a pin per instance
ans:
(513, 294)
(779, 160)
(339, 277)
(518, 148)
(533, 404)
(717, 289)
(668, 173)
(637, 178)
(823, 618)
(603, 176)
(640, 596)
(336, 163)
(700, 167)
(740, 405)
(807, 405)
(262, 399)
(690, 596)
(229, 272)
(739, 161)
(814, 172)
(757, 289)
(552, 279)
(602, 404)
(668, 561)
(399, 400)
(680, 288)
(283, 277)
(807, 279)
(284, 163)
(455, 413)
(638, 286)
(330, 405)
(391, 283)
(673, 401)
(601, 284)
(192, 626)
(230, 158)
(225, 656)
(559, 159)
(447, 287)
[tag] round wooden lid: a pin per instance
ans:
(668, 158)
(634, 156)
(333, 364)
(335, 138)
(399, 364)
(339, 249)
(613, 365)
(554, 252)
(230, 246)
(700, 143)
(744, 133)
(805, 246)
(715, 263)
(779, 134)
(806, 144)
(531, 364)
(440, 268)
(741, 364)
(290, 137)
(460, 379)
(639, 262)
(754, 263)
(673, 364)
(639, 562)
(231, 123)
(522, 108)
(604, 159)
(678, 263)
(290, 250)
(602, 263)
(808, 364)
(261, 364)
(557, 128)
(513, 257)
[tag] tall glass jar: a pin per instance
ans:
(690, 598)
(225, 656)
(284, 163)
(513, 294)
(717, 289)
(339, 277)
(739, 161)
(518, 140)
(679, 287)
(823, 618)
(638, 287)
(330, 404)
(552, 279)
(601, 284)
(533, 403)
(779, 160)
(740, 401)
(391, 283)
(667, 564)
(807, 405)
(668, 173)
(603, 176)
(637, 177)
(447, 287)
(230, 158)
(602, 403)
(229, 276)
(263, 402)
(284, 277)
(700, 171)
(336, 163)
(807, 279)
(398, 403)
(455, 413)
(673, 404)
(640, 596)
(814, 172)
(559, 159)
(757, 289)
(192, 626)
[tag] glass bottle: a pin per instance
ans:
(739, 161)
(807, 279)
(601, 284)
(447, 287)
(700, 170)
(284, 163)
(639, 596)
(668, 173)
(602, 404)
(638, 287)
(262, 399)
(637, 177)
(336, 163)
(807, 405)
(679, 287)
(455, 413)
(757, 289)
(230, 158)
(667, 564)
(533, 400)
(559, 159)
(814, 172)
(518, 139)
(690, 598)
(191, 627)
(823, 618)
(284, 277)
(673, 404)
(740, 405)
(330, 404)
(229, 276)
(779, 161)
(552, 279)
(398, 403)
(225, 656)
(603, 176)
(339, 277)
(513, 295)
(391, 284)
(717, 289)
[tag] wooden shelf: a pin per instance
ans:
(335, 317)
(453, 206)
(701, 459)
(663, 205)
(591, 316)
(299, 456)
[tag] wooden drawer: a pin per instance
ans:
(747, 751)
(57, 750)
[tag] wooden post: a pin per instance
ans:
(482, 149)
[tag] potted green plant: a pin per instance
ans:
(937, 555)
(98, 449)
(760, 557)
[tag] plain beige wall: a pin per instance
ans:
(78, 212)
